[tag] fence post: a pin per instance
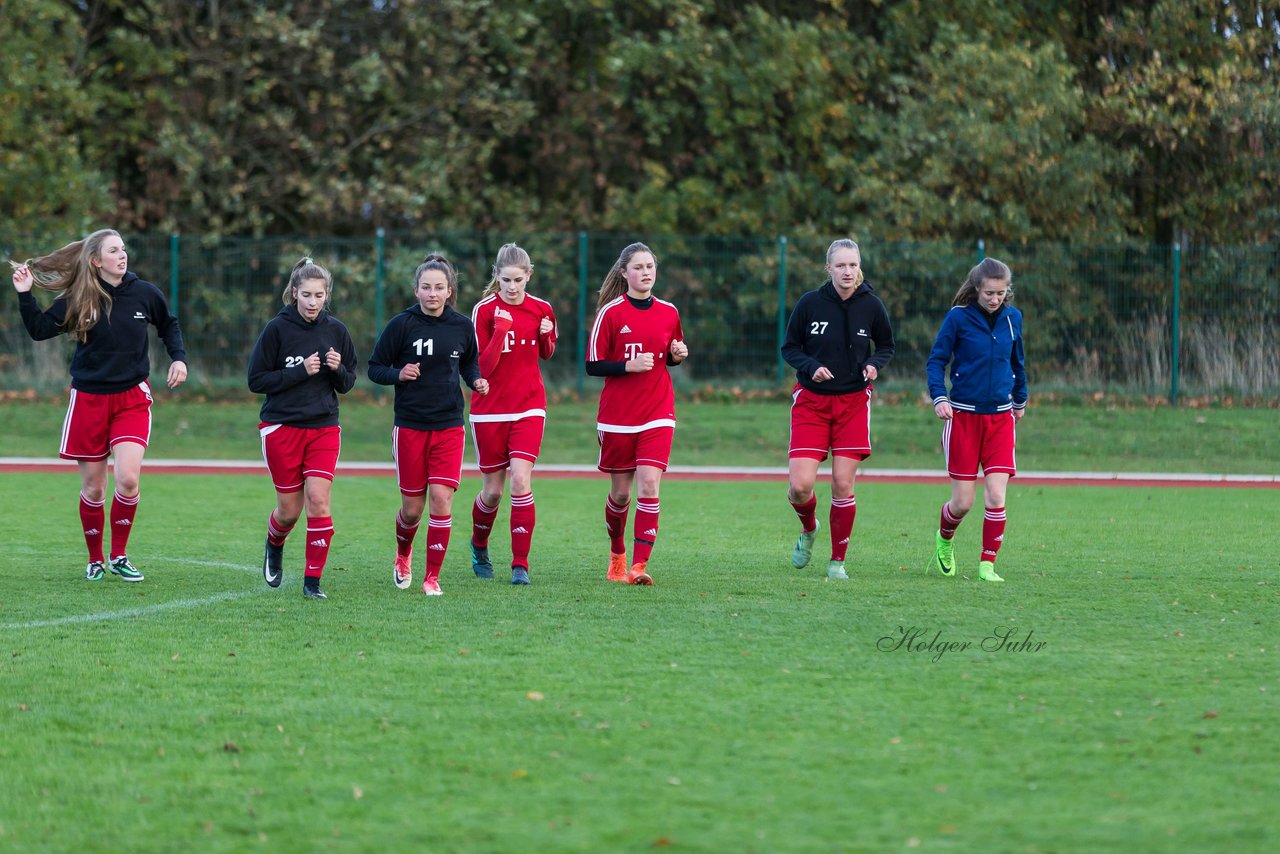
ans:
(582, 312)
(982, 250)
(1177, 291)
(173, 274)
(379, 280)
(782, 306)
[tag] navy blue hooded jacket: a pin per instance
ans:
(988, 367)
(445, 350)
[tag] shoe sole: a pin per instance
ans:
(126, 577)
(641, 581)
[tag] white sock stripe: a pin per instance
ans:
(311, 530)
(522, 500)
(608, 503)
(439, 521)
(129, 501)
(92, 503)
(484, 508)
(647, 506)
(995, 515)
(844, 502)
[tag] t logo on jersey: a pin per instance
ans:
(509, 341)
(633, 349)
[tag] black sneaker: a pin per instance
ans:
(272, 558)
(121, 567)
(313, 591)
(480, 563)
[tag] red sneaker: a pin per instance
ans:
(637, 575)
(617, 568)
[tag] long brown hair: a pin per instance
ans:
(510, 255)
(615, 283)
(441, 263)
(989, 268)
(302, 271)
(69, 273)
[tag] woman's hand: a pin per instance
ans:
(177, 374)
(22, 279)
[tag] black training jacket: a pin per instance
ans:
(276, 369)
(445, 349)
(844, 336)
(113, 357)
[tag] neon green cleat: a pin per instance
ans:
(944, 556)
(803, 552)
(835, 571)
(987, 571)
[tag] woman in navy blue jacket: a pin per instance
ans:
(981, 341)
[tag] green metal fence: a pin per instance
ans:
(1135, 319)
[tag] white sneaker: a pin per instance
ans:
(402, 572)
(835, 571)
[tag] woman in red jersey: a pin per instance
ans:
(634, 339)
(514, 329)
(110, 409)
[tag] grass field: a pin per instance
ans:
(745, 433)
(737, 705)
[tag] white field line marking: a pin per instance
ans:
(72, 619)
(130, 612)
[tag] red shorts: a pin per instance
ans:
(970, 440)
(294, 454)
(840, 423)
(426, 456)
(96, 423)
(621, 452)
(497, 442)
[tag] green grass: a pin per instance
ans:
(737, 705)
(746, 433)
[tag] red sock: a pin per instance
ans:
(404, 535)
(92, 518)
(646, 529)
(843, 511)
(992, 532)
(947, 522)
(438, 529)
(122, 512)
(482, 516)
(807, 513)
(615, 522)
(319, 536)
(276, 532)
(523, 518)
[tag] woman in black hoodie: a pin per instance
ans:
(302, 361)
(424, 351)
(110, 409)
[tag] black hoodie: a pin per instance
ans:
(445, 350)
(276, 369)
(826, 331)
(113, 358)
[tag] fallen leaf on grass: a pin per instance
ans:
(534, 695)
